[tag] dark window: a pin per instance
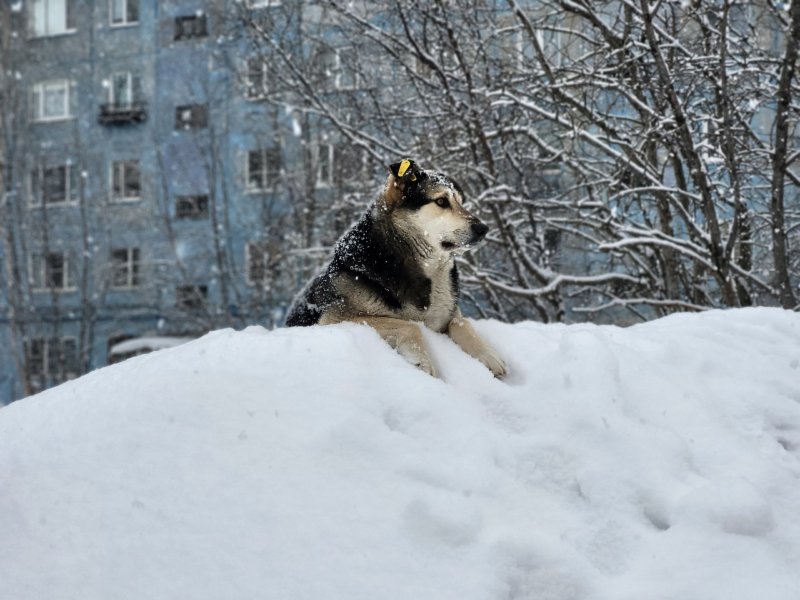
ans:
(191, 116)
(552, 240)
(125, 180)
(256, 78)
(191, 297)
(191, 207)
(54, 185)
(324, 162)
(257, 260)
(189, 27)
(36, 356)
(51, 271)
(125, 268)
(53, 357)
(263, 168)
(55, 271)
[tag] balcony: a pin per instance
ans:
(122, 114)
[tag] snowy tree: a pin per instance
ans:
(630, 154)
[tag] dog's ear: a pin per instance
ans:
(405, 170)
(401, 175)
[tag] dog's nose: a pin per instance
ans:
(479, 231)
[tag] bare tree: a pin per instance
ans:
(629, 153)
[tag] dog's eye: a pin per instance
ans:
(442, 202)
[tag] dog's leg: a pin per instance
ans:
(462, 333)
(403, 336)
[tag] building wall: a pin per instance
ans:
(204, 161)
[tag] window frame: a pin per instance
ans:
(198, 201)
(252, 249)
(319, 149)
(347, 77)
(183, 292)
(38, 95)
(121, 165)
(125, 22)
(133, 86)
(68, 285)
(36, 186)
(552, 40)
(132, 266)
(262, 89)
(46, 371)
(180, 33)
(195, 111)
(265, 171)
(258, 4)
(69, 7)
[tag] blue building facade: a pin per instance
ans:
(147, 190)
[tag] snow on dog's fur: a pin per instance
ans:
(396, 267)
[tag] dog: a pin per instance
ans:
(396, 268)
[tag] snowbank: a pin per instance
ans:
(660, 461)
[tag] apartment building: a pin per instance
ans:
(147, 190)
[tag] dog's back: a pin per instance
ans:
(365, 264)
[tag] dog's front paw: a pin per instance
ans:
(418, 357)
(427, 366)
(493, 362)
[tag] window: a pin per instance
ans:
(124, 90)
(52, 357)
(324, 165)
(339, 68)
(550, 42)
(257, 260)
(191, 116)
(191, 207)
(191, 297)
(189, 27)
(510, 42)
(552, 241)
(263, 3)
(348, 75)
(50, 101)
(51, 271)
(51, 17)
(328, 61)
(125, 181)
(124, 12)
(256, 80)
(54, 185)
(353, 165)
(125, 268)
(263, 168)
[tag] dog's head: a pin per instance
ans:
(430, 206)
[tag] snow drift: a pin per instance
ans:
(660, 461)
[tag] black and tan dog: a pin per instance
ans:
(396, 267)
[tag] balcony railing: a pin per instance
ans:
(115, 113)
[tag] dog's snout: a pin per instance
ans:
(479, 231)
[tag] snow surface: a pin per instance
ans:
(150, 343)
(660, 461)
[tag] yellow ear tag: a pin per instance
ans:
(404, 164)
